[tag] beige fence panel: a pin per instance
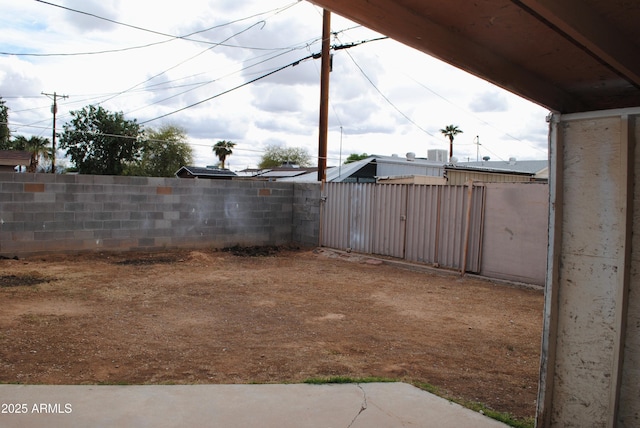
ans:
(451, 226)
(423, 216)
(390, 213)
(514, 243)
(427, 224)
(437, 220)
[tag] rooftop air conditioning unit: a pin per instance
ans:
(437, 155)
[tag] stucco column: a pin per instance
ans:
(590, 370)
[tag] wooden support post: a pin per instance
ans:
(589, 373)
(324, 95)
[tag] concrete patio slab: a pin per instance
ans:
(269, 406)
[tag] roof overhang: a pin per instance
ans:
(15, 158)
(569, 56)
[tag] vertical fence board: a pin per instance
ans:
(389, 219)
(336, 216)
(422, 224)
(474, 256)
(451, 228)
(362, 233)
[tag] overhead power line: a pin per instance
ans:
(262, 22)
(93, 98)
(292, 64)
(130, 48)
(354, 44)
(476, 117)
(160, 33)
(172, 37)
(195, 86)
(180, 63)
(387, 99)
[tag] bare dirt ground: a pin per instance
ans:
(206, 316)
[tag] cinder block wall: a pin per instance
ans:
(45, 213)
(306, 214)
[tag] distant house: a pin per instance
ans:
(539, 168)
(285, 171)
(207, 173)
(370, 169)
(412, 170)
(498, 171)
(10, 159)
(459, 173)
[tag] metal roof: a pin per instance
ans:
(569, 56)
(198, 172)
(282, 173)
(518, 166)
(333, 174)
(396, 165)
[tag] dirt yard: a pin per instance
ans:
(285, 315)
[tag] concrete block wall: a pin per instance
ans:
(306, 214)
(44, 213)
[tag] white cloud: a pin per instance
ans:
(84, 22)
(489, 101)
(18, 77)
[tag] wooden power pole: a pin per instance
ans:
(324, 95)
(54, 110)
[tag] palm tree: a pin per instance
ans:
(450, 132)
(222, 149)
(38, 147)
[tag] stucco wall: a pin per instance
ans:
(44, 213)
(590, 373)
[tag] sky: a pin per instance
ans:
(222, 70)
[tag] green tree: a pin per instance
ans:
(450, 132)
(275, 156)
(5, 134)
(164, 151)
(223, 149)
(38, 147)
(100, 142)
(354, 157)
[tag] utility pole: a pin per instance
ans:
(325, 69)
(54, 110)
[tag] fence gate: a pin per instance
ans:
(440, 225)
